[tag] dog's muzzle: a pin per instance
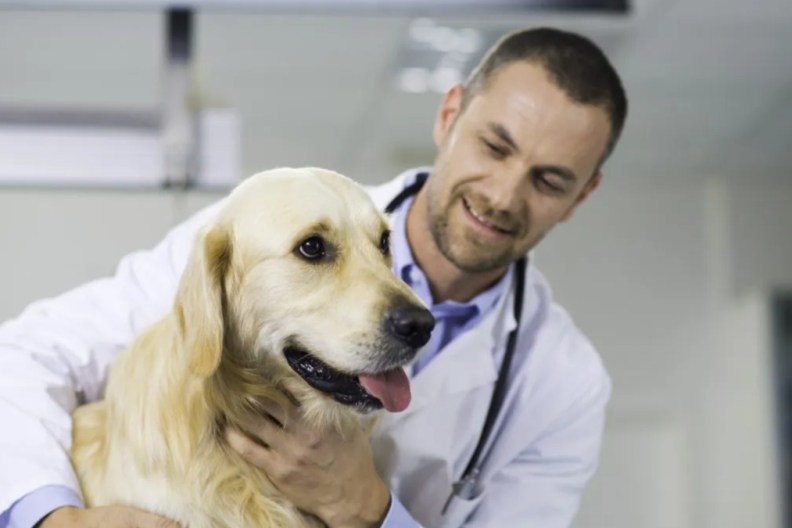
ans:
(407, 328)
(344, 388)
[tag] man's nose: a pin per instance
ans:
(505, 189)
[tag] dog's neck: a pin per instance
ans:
(172, 414)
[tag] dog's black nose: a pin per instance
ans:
(411, 324)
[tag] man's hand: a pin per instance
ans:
(104, 517)
(325, 474)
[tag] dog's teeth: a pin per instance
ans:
(320, 372)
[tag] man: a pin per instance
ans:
(520, 146)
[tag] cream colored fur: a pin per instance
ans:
(155, 441)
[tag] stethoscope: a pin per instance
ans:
(464, 487)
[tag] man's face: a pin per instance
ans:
(512, 164)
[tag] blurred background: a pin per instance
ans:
(113, 129)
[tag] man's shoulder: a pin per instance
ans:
(559, 344)
(383, 193)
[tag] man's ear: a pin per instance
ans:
(447, 114)
(592, 184)
(200, 301)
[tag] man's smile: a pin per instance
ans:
(485, 223)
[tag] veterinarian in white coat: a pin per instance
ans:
(548, 430)
(519, 149)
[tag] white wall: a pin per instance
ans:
(670, 282)
(53, 240)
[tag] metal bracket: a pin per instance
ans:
(179, 124)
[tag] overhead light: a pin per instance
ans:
(414, 80)
(435, 57)
(442, 79)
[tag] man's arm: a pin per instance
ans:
(55, 356)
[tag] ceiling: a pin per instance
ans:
(709, 82)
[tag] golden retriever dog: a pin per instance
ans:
(289, 287)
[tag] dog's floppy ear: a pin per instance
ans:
(200, 301)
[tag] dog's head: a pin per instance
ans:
(292, 285)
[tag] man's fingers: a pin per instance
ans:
(248, 449)
(284, 410)
(291, 398)
(277, 410)
(266, 431)
(111, 517)
(142, 519)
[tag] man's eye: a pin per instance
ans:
(385, 243)
(495, 150)
(312, 248)
(547, 183)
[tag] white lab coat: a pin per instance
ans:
(543, 448)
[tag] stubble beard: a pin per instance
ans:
(469, 254)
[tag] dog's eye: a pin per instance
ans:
(312, 248)
(385, 243)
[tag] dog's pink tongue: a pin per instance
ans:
(392, 388)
